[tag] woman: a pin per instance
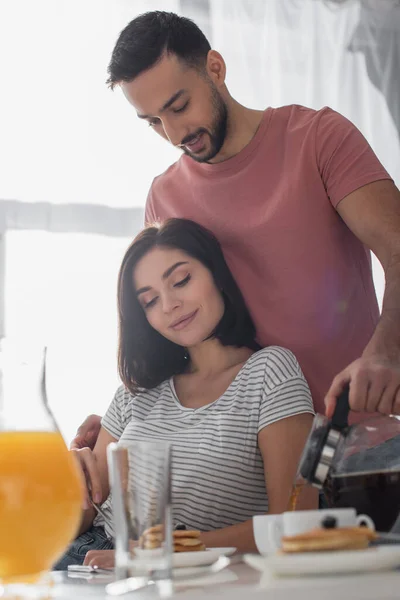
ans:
(187, 349)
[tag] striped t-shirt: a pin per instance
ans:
(217, 468)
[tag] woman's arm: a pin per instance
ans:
(95, 470)
(238, 536)
(281, 444)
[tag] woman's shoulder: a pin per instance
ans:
(278, 363)
(127, 406)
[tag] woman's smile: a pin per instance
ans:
(184, 321)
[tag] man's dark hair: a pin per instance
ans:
(150, 36)
(145, 357)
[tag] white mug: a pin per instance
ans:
(269, 529)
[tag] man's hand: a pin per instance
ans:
(88, 463)
(374, 386)
(87, 434)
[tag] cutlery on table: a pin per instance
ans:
(131, 584)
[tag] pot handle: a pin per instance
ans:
(340, 417)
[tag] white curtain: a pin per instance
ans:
(76, 163)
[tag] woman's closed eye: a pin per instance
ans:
(146, 304)
(149, 303)
(183, 281)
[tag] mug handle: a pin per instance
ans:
(365, 521)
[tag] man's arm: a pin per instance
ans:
(372, 212)
(95, 471)
(87, 433)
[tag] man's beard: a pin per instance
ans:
(217, 133)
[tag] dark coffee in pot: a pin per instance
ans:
(376, 494)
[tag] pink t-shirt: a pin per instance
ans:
(305, 276)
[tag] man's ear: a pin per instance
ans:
(216, 68)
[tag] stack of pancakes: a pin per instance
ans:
(325, 540)
(187, 541)
(184, 540)
(152, 538)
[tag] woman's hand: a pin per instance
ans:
(104, 559)
(88, 462)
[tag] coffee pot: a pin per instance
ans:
(356, 466)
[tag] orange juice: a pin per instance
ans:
(40, 502)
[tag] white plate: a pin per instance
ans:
(378, 558)
(197, 559)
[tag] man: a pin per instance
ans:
(297, 199)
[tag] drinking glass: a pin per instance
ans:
(140, 478)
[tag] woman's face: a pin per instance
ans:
(178, 296)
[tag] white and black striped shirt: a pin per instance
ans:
(217, 468)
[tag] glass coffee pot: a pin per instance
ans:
(356, 466)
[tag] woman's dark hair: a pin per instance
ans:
(145, 357)
(147, 38)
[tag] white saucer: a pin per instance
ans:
(378, 558)
(197, 559)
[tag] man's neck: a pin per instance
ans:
(243, 124)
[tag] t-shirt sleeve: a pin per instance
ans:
(285, 391)
(117, 416)
(149, 212)
(345, 159)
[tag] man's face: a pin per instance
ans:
(183, 106)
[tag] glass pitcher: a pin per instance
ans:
(41, 489)
(357, 466)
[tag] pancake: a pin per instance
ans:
(326, 540)
(184, 540)
(198, 548)
(187, 541)
(180, 533)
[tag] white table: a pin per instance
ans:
(241, 582)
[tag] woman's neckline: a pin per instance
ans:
(202, 408)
